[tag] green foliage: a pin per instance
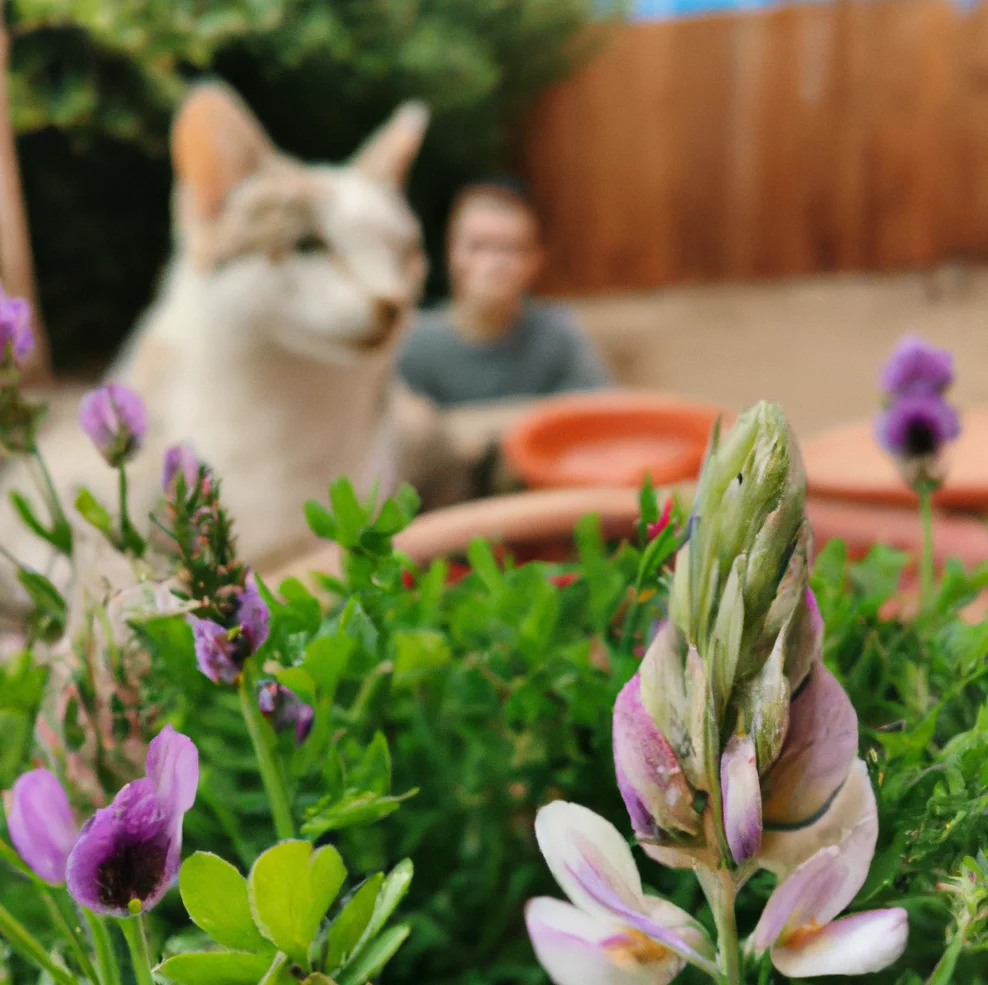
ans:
(320, 73)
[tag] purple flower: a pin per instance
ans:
(284, 709)
(917, 367)
(180, 457)
(917, 425)
(15, 328)
(115, 419)
(253, 616)
(220, 652)
(741, 796)
(216, 652)
(41, 824)
(128, 853)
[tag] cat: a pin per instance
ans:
(270, 346)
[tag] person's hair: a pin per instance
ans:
(501, 190)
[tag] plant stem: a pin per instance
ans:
(22, 942)
(720, 891)
(926, 558)
(136, 936)
(274, 786)
(60, 523)
(106, 959)
(73, 936)
(131, 539)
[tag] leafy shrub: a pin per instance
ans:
(319, 73)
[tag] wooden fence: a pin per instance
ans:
(850, 134)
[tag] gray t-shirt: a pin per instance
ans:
(545, 353)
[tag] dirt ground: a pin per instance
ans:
(815, 345)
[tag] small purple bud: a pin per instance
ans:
(254, 617)
(41, 825)
(917, 426)
(216, 652)
(128, 854)
(741, 797)
(283, 708)
(15, 329)
(115, 420)
(916, 367)
(181, 456)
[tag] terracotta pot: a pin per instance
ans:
(613, 438)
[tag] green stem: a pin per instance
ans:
(129, 536)
(274, 786)
(720, 890)
(59, 520)
(926, 558)
(106, 959)
(73, 936)
(136, 936)
(22, 942)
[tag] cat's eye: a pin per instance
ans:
(310, 243)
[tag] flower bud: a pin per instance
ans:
(285, 710)
(649, 776)
(16, 336)
(115, 420)
(741, 798)
(181, 457)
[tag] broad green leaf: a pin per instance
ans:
(347, 930)
(15, 727)
(482, 561)
(390, 520)
(371, 958)
(417, 652)
(215, 968)
(326, 659)
(320, 520)
(349, 514)
(297, 680)
(215, 894)
(291, 888)
(409, 500)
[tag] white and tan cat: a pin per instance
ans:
(270, 347)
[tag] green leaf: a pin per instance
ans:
(326, 659)
(482, 561)
(417, 653)
(320, 520)
(215, 895)
(94, 512)
(349, 514)
(358, 808)
(392, 893)
(215, 968)
(409, 501)
(297, 680)
(347, 930)
(373, 772)
(15, 727)
(390, 520)
(291, 888)
(26, 512)
(371, 958)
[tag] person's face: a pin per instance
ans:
(494, 254)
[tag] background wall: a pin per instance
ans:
(795, 139)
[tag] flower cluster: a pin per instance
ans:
(917, 419)
(126, 855)
(735, 749)
(221, 651)
(284, 710)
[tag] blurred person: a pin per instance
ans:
(491, 339)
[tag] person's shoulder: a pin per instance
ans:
(430, 324)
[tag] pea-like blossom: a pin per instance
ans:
(114, 418)
(128, 854)
(283, 708)
(179, 458)
(917, 426)
(221, 652)
(916, 367)
(16, 335)
(41, 824)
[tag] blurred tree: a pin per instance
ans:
(94, 83)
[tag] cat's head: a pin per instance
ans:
(326, 260)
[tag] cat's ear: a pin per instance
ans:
(216, 143)
(387, 155)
